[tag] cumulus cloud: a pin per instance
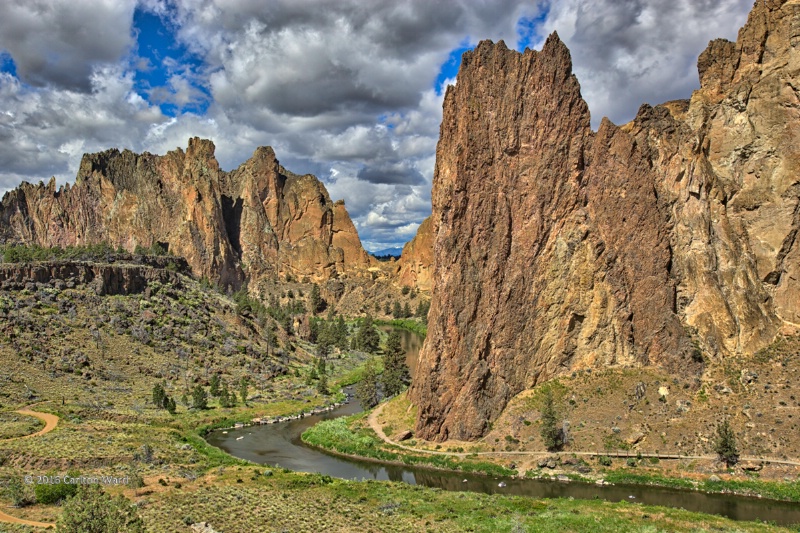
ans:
(345, 90)
(628, 52)
(59, 42)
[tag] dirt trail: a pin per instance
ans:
(50, 423)
(376, 427)
(14, 520)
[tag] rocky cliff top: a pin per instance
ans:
(256, 221)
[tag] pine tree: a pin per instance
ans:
(367, 338)
(214, 388)
(397, 311)
(406, 310)
(395, 370)
(243, 386)
(315, 300)
(367, 388)
(170, 406)
(199, 397)
(340, 337)
(551, 434)
(322, 384)
(725, 444)
(159, 395)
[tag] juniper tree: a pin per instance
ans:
(214, 385)
(315, 300)
(549, 430)
(725, 444)
(367, 338)
(91, 510)
(367, 388)
(199, 397)
(159, 394)
(395, 370)
(243, 386)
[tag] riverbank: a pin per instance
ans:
(363, 437)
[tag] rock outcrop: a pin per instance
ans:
(415, 266)
(105, 279)
(255, 221)
(558, 248)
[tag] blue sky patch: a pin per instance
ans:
(528, 30)
(7, 64)
(160, 57)
(450, 68)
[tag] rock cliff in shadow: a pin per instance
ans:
(557, 248)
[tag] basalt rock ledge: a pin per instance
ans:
(669, 241)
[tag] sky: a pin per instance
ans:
(348, 90)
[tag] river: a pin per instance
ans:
(280, 445)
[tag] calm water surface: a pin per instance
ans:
(280, 445)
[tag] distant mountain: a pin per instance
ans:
(388, 251)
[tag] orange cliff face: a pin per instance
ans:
(557, 248)
(255, 221)
(415, 266)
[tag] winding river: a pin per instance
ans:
(280, 445)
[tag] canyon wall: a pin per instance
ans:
(660, 242)
(258, 220)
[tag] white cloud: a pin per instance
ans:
(630, 52)
(340, 89)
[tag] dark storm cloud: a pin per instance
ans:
(395, 174)
(58, 42)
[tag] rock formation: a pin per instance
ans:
(254, 221)
(557, 248)
(105, 279)
(415, 265)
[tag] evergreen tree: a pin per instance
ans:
(170, 406)
(288, 324)
(395, 370)
(397, 311)
(313, 328)
(406, 310)
(159, 394)
(422, 310)
(214, 388)
(549, 430)
(315, 300)
(367, 336)
(340, 337)
(367, 388)
(243, 386)
(725, 444)
(91, 510)
(199, 397)
(226, 397)
(387, 308)
(322, 384)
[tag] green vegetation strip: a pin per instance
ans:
(786, 491)
(408, 324)
(336, 436)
